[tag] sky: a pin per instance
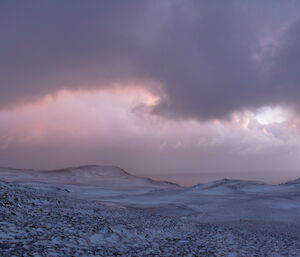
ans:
(186, 91)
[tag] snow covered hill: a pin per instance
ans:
(36, 222)
(86, 181)
(222, 200)
(90, 175)
(295, 182)
(231, 186)
(219, 201)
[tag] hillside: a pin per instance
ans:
(36, 222)
(86, 181)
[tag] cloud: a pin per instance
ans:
(99, 127)
(203, 59)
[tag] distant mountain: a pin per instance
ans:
(230, 186)
(88, 175)
(292, 182)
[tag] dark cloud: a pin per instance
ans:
(49, 45)
(209, 58)
(286, 77)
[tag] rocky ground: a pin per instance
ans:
(36, 222)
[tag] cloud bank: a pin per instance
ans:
(101, 128)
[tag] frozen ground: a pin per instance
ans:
(104, 211)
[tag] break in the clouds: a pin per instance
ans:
(204, 59)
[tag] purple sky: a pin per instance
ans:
(187, 91)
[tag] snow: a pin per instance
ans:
(105, 211)
(85, 180)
